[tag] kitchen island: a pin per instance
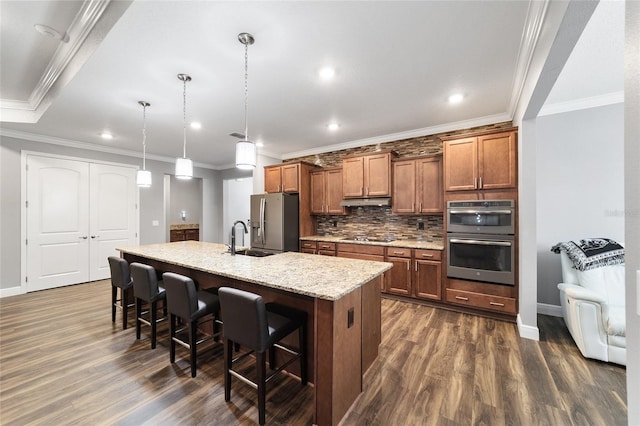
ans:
(341, 297)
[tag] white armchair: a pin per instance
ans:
(593, 307)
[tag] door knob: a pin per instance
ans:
(94, 236)
(83, 238)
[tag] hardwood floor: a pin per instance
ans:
(62, 361)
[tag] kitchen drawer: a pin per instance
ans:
(327, 252)
(482, 301)
(360, 248)
(308, 251)
(398, 252)
(428, 254)
(326, 246)
(308, 245)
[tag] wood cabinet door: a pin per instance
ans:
(177, 235)
(497, 161)
(404, 187)
(353, 177)
(429, 185)
(192, 234)
(290, 174)
(377, 175)
(398, 278)
(272, 179)
(317, 183)
(460, 164)
(333, 194)
(428, 278)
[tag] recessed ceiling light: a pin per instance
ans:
(196, 125)
(106, 135)
(327, 73)
(456, 98)
(333, 126)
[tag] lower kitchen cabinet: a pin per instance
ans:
(415, 273)
(184, 234)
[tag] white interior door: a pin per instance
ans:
(113, 218)
(57, 222)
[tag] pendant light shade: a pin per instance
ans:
(184, 165)
(143, 177)
(184, 168)
(245, 149)
(245, 155)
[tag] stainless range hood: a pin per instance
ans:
(364, 202)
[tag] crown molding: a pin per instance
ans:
(425, 131)
(67, 59)
(94, 147)
(583, 103)
(532, 28)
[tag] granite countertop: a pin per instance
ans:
(322, 277)
(179, 226)
(417, 244)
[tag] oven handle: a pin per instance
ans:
(480, 212)
(479, 242)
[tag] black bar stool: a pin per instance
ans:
(120, 279)
(250, 322)
(146, 288)
(186, 302)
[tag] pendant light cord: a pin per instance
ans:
(144, 135)
(246, 92)
(184, 118)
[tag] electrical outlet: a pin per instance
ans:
(335, 223)
(155, 223)
(420, 226)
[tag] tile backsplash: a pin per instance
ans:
(380, 223)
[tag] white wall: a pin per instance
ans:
(579, 184)
(632, 205)
(185, 195)
(237, 206)
(151, 200)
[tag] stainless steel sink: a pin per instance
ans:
(254, 253)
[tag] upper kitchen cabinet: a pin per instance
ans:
(367, 175)
(417, 185)
(326, 191)
(481, 162)
(282, 178)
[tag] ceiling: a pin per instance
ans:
(396, 63)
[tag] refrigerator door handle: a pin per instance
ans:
(263, 202)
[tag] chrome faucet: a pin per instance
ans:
(233, 235)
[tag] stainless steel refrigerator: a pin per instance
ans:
(274, 222)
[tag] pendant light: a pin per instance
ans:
(143, 177)
(245, 149)
(184, 165)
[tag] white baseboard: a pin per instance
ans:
(11, 291)
(527, 331)
(551, 310)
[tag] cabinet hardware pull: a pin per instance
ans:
(416, 266)
(496, 304)
(398, 252)
(420, 211)
(462, 298)
(480, 182)
(362, 190)
(408, 266)
(325, 247)
(426, 255)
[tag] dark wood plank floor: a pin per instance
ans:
(63, 362)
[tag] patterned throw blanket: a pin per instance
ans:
(592, 253)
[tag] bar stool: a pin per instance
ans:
(146, 288)
(250, 322)
(120, 279)
(184, 301)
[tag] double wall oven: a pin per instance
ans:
(481, 240)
